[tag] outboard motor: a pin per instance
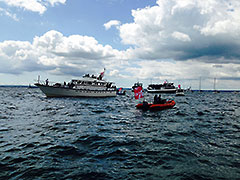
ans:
(145, 106)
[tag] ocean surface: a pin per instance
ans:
(94, 138)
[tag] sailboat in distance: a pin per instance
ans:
(214, 86)
(200, 84)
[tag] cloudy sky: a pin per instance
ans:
(135, 40)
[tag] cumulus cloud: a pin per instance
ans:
(53, 2)
(57, 53)
(181, 36)
(183, 30)
(111, 23)
(183, 40)
(33, 5)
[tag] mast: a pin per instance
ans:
(214, 84)
(200, 84)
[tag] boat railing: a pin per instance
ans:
(76, 87)
(50, 83)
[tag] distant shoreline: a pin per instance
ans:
(33, 86)
(18, 86)
(217, 90)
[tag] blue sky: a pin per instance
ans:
(135, 40)
(84, 17)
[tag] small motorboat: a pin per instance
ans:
(156, 107)
(120, 91)
(180, 92)
(166, 87)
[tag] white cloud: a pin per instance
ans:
(30, 5)
(114, 72)
(184, 30)
(53, 2)
(53, 51)
(33, 5)
(74, 55)
(74, 46)
(111, 23)
(183, 40)
(181, 36)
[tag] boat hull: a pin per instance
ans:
(121, 93)
(51, 91)
(180, 94)
(161, 90)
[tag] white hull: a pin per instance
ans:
(180, 94)
(161, 90)
(51, 91)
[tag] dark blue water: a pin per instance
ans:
(70, 138)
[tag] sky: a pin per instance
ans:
(182, 41)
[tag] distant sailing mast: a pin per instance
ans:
(214, 86)
(200, 84)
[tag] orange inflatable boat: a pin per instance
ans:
(156, 107)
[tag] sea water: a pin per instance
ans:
(95, 138)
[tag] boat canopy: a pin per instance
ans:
(159, 86)
(91, 81)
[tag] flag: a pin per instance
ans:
(101, 74)
(138, 92)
